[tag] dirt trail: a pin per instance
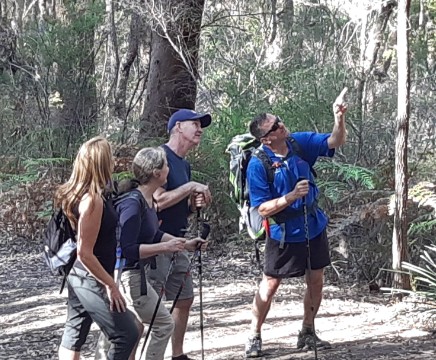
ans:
(359, 324)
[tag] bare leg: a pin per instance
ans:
(65, 354)
(180, 316)
(262, 302)
(313, 296)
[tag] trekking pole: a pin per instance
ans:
(309, 274)
(200, 284)
(159, 300)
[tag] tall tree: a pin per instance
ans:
(399, 238)
(173, 75)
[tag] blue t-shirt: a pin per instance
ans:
(285, 178)
(139, 225)
(175, 218)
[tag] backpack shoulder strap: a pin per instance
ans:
(297, 149)
(266, 162)
(132, 194)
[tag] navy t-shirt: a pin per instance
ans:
(175, 218)
(139, 225)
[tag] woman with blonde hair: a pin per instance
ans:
(141, 240)
(92, 292)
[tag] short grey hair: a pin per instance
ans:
(146, 161)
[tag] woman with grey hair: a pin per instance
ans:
(141, 239)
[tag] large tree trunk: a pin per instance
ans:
(172, 81)
(399, 238)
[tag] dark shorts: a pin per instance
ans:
(291, 261)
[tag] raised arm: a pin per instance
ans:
(339, 132)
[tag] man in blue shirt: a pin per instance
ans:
(179, 198)
(283, 202)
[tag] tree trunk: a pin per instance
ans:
(399, 238)
(287, 25)
(369, 53)
(139, 34)
(173, 75)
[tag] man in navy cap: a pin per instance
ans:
(179, 198)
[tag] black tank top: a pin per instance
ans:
(106, 243)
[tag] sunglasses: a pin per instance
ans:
(274, 127)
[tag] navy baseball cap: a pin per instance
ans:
(187, 114)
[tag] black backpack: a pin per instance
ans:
(60, 245)
(241, 149)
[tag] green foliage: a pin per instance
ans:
(423, 226)
(124, 175)
(424, 277)
(33, 170)
(336, 179)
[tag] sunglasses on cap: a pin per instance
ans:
(274, 127)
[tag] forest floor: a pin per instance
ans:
(360, 324)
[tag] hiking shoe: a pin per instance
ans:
(253, 347)
(306, 340)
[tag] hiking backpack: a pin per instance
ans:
(59, 240)
(241, 149)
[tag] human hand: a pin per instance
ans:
(175, 245)
(199, 200)
(195, 244)
(201, 189)
(340, 105)
(301, 189)
(117, 301)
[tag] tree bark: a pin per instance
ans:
(287, 25)
(368, 59)
(139, 34)
(399, 238)
(173, 75)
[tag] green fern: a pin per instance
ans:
(424, 275)
(348, 172)
(422, 227)
(340, 178)
(31, 164)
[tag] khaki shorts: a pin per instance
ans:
(176, 278)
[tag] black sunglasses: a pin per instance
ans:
(275, 126)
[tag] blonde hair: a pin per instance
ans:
(92, 171)
(146, 161)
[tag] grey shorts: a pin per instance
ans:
(179, 276)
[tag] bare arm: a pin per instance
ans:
(339, 132)
(168, 244)
(274, 206)
(166, 199)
